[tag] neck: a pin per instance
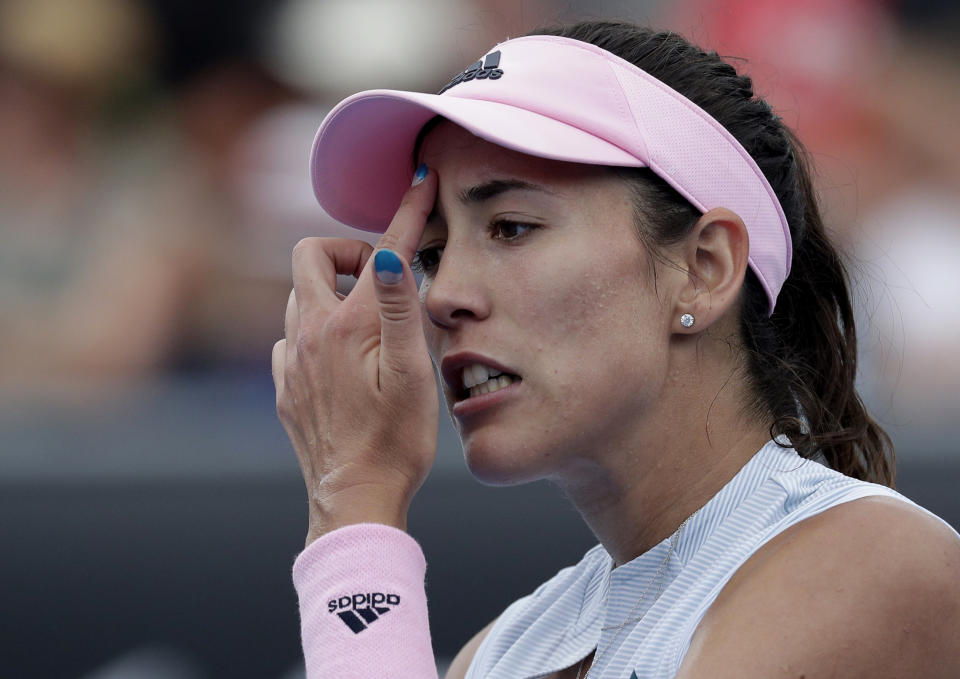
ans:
(638, 490)
(630, 519)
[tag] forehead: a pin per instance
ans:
(459, 156)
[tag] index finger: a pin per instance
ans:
(405, 230)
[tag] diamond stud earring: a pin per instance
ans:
(686, 320)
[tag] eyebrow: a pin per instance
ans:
(487, 190)
(480, 193)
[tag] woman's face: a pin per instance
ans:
(532, 268)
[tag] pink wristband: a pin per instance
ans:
(363, 607)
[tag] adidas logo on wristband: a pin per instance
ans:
(359, 610)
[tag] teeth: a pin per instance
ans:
(477, 374)
(491, 385)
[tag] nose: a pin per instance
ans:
(458, 291)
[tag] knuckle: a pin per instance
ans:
(339, 327)
(319, 331)
(283, 407)
(308, 340)
(287, 401)
(390, 241)
(398, 363)
(291, 373)
(278, 355)
(303, 248)
(397, 310)
(284, 393)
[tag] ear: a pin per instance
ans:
(715, 256)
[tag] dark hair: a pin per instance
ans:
(801, 361)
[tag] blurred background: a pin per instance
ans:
(153, 181)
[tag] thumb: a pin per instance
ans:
(403, 348)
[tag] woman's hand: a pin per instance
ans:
(355, 386)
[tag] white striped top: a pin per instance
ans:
(568, 616)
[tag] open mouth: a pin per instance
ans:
(479, 379)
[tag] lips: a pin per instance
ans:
(468, 374)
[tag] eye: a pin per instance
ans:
(505, 229)
(426, 261)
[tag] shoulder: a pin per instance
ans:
(867, 588)
(461, 663)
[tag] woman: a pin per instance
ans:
(627, 290)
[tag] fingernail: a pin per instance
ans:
(388, 266)
(420, 174)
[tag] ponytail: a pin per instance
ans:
(802, 360)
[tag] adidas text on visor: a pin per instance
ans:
(554, 98)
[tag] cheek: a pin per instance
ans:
(602, 299)
(596, 314)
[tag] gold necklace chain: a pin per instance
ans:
(674, 539)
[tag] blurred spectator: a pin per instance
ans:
(93, 260)
(123, 229)
(236, 309)
(815, 62)
(910, 236)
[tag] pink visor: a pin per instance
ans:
(554, 98)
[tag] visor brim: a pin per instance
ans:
(362, 158)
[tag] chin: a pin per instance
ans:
(502, 465)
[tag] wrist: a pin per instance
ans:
(368, 503)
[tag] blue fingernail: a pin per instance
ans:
(388, 266)
(420, 174)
